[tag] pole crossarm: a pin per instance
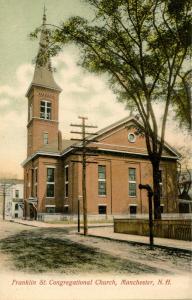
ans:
(87, 162)
(77, 132)
(87, 154)
(87, 148)
(86, 126)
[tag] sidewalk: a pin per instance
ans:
(105, 230)
(35, 223)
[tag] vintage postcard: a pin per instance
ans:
(95, 156)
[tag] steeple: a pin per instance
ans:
(43, 75)
(43, 101)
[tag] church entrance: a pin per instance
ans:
(33, 212)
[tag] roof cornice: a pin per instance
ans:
(39, 153)
(101, 132)
(59, 90)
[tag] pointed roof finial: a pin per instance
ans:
(44, 15)
(43, 75)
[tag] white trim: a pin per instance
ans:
(104, 180)
(37, 118)
(66, 182)
(69, 149)
(36, 175)
(50, 182)
(51, 205)
(116, 145)
(51, 166)
(120, 151)
(132, 120)
(133, 204)
(135, 153)
(44, 104)
(132, 181)
(45, 138)
(39, 153)
(66, 205)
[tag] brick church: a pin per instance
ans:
(52, 178)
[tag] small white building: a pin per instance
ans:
(13, 191)
(17, 201)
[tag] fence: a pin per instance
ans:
(173, 229)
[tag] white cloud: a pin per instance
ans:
(23, 77)
(4, 101)
(83, 94)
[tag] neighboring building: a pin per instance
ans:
(52, 178)
(13, 190)
(185, 191)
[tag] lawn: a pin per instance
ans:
(33, 251)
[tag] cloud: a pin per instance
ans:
(23, 77)
(83, 94)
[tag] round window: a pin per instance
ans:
(131, 137)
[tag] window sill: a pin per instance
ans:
(102, 196)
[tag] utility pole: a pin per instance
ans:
(83, 148)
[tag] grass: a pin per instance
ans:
(31, 251)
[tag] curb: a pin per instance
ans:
(176, 249)
(30, 225)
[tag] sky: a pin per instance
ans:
(83, 93)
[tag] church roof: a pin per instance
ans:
(52, 149)
(43, 74)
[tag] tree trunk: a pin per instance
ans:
(156, 190)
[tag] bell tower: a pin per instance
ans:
(43, 102)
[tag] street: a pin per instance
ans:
(62, 250)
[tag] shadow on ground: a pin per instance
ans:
(33, 252)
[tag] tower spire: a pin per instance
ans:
(43, 75)
(44, 15)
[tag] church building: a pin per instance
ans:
(53, 176)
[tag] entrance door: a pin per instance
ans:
(33, 212)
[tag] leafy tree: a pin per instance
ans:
(182, 101)
(142, 46)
